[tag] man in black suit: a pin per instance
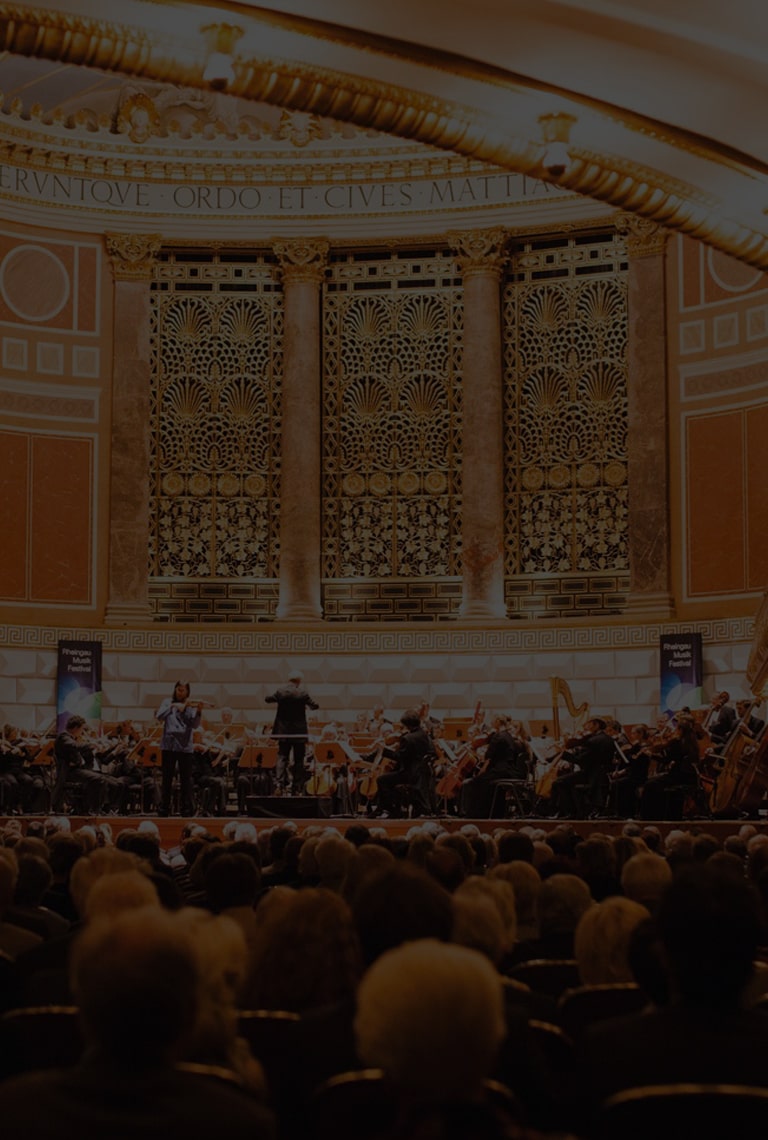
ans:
(412, 756)
(720, 721)
(754, 725)
(584, 789)
(290, 728)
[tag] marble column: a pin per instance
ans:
(303, 266)
(132, 257)
(481, 258)
(648, 521)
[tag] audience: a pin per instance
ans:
(336, 932)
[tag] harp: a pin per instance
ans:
(579, 713)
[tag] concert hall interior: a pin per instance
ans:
(416, 348)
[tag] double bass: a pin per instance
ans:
(743, 778)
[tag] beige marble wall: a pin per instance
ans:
(618, 680)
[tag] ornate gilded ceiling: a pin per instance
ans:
(401, 116)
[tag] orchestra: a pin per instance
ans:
(690, 764)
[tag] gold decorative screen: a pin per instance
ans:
(565, 351)
(216, 341)
(392, 326)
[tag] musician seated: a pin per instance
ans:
(582, 788)
(506, 758)
(631, 772)
(677, 771)
(22, 786)
(721, 719)
(751, 725)
(208, 781)
(412, 772)
(74, 759)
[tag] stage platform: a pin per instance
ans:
(171, 827)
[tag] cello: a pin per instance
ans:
(741, 757)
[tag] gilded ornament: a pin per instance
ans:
(379, 484)
(199, 485)
(132, 255)
(408, 483)
(615, 474)
(533, 478)
(353, 485)
(173, 483)
(255, 486)
(435, 483)
(587, 475)
(302, 259)
(559, 476)
(228, 485)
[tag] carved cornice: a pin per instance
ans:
(644, 238)
(480, 252)
(461, 127)
(132, 255)
(302, 259)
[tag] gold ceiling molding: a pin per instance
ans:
(393, 110)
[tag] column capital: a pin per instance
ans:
(302, 259)
(132, 255)
(480, 251)
(644, 238)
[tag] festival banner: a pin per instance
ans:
(78, 686)
(680, 670)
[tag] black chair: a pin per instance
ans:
(582, 1006)
(707, 1112)
(41, 1037)
(364, 1103)
(511, 797)
(554, 1045)
(550, 976)
(271, 1035)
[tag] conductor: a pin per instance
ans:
(290, 729)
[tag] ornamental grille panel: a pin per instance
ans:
(566, 425)
(391, 497)
(216, 345)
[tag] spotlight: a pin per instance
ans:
(556, 131)
(219, 72)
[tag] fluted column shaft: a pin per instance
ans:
(303, 265)
(648, 520)
(481, 259)
(132, 257)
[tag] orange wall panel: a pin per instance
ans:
(716, 506)
(14, 488)
(757, 499)
(61, 503)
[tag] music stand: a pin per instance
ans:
(255, 758)
(334, 754)
(456, 728)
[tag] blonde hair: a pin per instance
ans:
(601, 942)
(431, 1015)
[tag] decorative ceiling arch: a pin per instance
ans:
(665, 170)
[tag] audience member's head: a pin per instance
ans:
(514, 845)
(232, 880)
(135, 982)
(433, 1048)
(563, 899)
(400, 904)
(114, 894)
(306, 954)
(601, 944)
(644, 879)
(710, 927)
(526, 883)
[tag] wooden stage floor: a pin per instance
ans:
(171, 827)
